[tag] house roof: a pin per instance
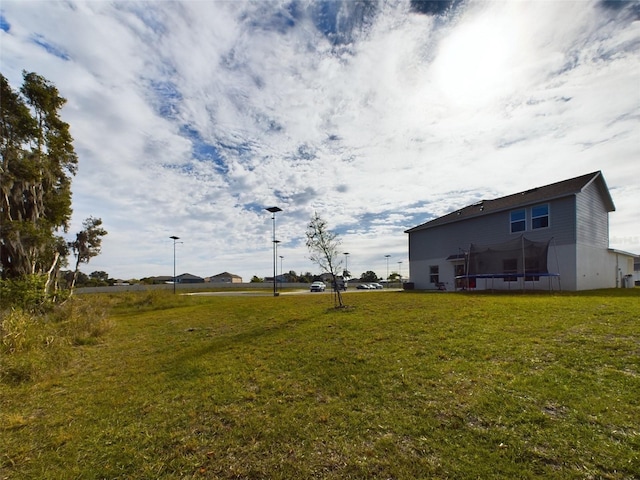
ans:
(546, 193)
(188, 276)
(225, 274)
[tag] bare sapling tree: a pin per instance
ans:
(323, 247)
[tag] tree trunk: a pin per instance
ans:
(337, 293)
(51, 273)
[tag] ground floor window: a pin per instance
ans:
(510, 270)
(434, 274)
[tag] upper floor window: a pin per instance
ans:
(518, 221)
(540, 216)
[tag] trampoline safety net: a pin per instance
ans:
(517, 258)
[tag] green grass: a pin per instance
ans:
(400, 385)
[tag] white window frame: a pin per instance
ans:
(537, 217)
(512, 222)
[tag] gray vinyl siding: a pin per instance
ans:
(453, 238)
(592, 218)
(578, 224)
(562, 223)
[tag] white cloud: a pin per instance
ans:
(189, 118)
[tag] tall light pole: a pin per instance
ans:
(387, 257)
(273, 211)
(346, 264)
(281, 277)
(400, 272)
(174, 238)
(275, 288)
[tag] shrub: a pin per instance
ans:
(81, 321)
(16, 331)
(26, 292)
(23, 340)
(33, 344)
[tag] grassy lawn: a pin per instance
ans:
(400, 385)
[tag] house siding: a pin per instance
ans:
(563, 259)
(592, 218)
(431, 246)
(578, 228)
(595, 268)
(562, 226)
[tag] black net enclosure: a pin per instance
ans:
(515, 258)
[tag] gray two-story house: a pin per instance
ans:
(568, 221)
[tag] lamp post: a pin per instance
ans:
(273, 211)
(281, 277)
(346, 264)
(400, 272)
(174, 238)
(387, 257)
(275, 247)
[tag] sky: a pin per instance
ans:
(190, 118)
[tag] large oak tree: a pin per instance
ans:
(38, 161)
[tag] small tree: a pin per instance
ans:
(369, 276)
(394, 277)
(306, 277)
(323, 245)
(87, 244)
(100, 276)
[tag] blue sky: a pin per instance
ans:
(190, 118)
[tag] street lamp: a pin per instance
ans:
(275, 244)
(273, 211)
(387, 257)
(400, 272)
(281, 277)
(174, 238)
(346, 264)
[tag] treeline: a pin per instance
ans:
(308, 277)
(38, 161)
(40, 323)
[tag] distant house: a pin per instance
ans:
(224, 277)
(158, 280)
(188, 278)
(557, 234)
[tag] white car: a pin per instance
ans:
(376, 286)
(317, 287)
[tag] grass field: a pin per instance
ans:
(399, 385)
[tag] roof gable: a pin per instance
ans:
(188, 276)
(225, 274)
(545, 193)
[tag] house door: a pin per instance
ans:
(463, 283)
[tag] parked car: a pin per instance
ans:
(363, 286)
(376, 286)
(317, 287)
(340, 285)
